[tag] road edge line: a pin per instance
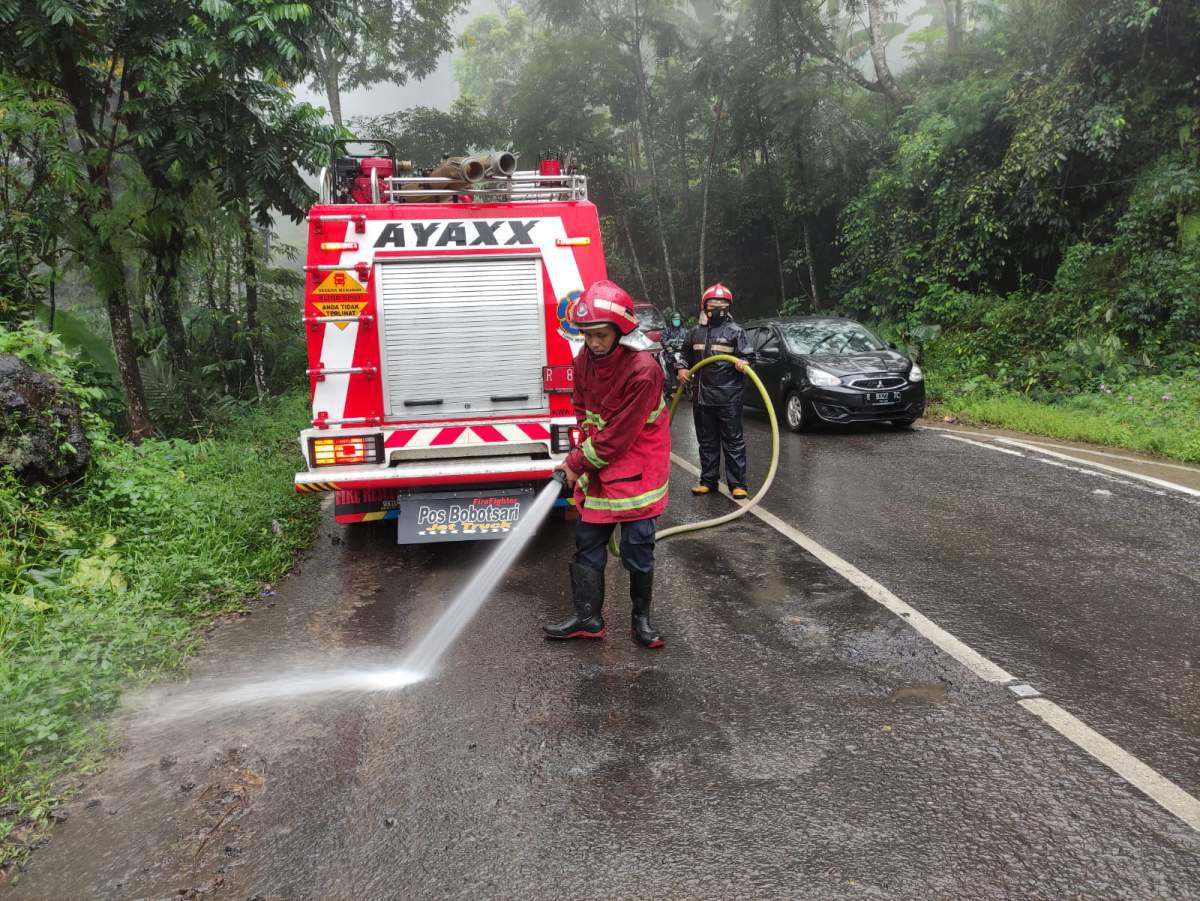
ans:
(1155, 786)
(968, 657)
(1165, 793)
(1161, 483)
(1165, 464)
(991, 447)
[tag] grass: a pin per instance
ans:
(1157, 415)
(106, 586)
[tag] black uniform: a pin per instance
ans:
(717, 405)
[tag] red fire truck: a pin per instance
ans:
(439, 350)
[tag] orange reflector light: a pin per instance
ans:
(339, 245)
(573, 242)
(345, 450)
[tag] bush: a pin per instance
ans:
(104, 585)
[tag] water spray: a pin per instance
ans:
(420, 663)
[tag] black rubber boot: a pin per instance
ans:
(641, 592)
(587, 589)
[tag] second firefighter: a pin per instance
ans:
(717, 403)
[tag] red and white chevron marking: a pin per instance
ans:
(457, 436)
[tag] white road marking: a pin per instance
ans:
(1161, 483)
(1081, 450)
(972, 660)
(1095, 453)
(990, 447)
(1087, 472)
(1149, 781)
(1165, 793)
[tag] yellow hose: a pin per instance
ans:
(614, 544)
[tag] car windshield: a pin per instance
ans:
(648, 317)
(828, 337)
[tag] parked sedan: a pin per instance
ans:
(650, 320)
(825, 369)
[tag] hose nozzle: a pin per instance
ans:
(560, 476)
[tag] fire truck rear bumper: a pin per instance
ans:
(482, 471)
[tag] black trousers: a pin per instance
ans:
(717, 429)
(637, 544)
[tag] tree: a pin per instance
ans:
(142, 81)
(492, 50)
(373, 41)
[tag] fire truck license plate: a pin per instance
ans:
(461, 516)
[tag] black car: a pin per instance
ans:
(825, 369)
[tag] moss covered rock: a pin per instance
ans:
(41, 427)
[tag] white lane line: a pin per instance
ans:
(1087, 472)
(1161, 483)
(1079, 450)
(991, 447)
(1095, 453)
(972, 660)
(1149, 781)
(934, 428)
(1162, 790)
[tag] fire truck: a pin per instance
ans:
(439, 348)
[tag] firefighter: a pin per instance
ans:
(673, 337)
(620, 471)
(717, 402)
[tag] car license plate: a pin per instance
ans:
(460, 515)
(884, 397)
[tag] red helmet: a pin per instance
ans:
(717, 293)
(603, 303)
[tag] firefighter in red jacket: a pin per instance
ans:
(620, 471)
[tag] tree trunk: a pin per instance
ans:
(637, 267)
(779, 264)
(953, 10)
(116, 302)
(712, 156)
(331, 73)
(883, 74)
(813, 288)
(648, 137)
(253, 331)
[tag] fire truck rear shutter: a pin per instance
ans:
(462, 336)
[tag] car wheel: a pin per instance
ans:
(905, 425)
(796, 412)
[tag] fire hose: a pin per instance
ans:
(743, 509)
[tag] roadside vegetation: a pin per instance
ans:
(1154, 415)
(106, 583)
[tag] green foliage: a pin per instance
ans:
(106, 586)
(1155, 415)
(425, 135)
(492, 50)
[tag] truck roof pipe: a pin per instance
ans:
(500, 163)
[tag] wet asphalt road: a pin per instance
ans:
(794, 739)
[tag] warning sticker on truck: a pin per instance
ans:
(347, 308)
(340, 283)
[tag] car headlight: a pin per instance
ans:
(915, 374)
(822, 378)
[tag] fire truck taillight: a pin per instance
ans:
(341, 451)
(565, 437)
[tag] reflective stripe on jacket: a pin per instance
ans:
(625, 457)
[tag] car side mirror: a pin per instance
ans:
(769, 353)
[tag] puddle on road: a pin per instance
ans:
(920, 693)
